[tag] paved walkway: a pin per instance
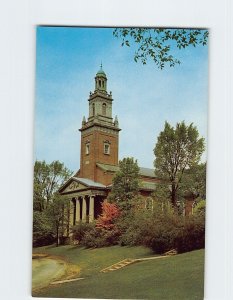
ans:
(46, 270)
(129, 261)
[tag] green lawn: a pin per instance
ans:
(91, 261)
(173, 278)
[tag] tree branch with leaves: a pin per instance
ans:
(158, 44)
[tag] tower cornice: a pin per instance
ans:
(100, 94)
(96, 125)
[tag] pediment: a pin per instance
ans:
(73, 186)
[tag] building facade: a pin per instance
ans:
(87, 189)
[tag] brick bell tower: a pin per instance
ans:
(99, 134)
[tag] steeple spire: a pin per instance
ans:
(101, 80)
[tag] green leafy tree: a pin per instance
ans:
(157, 44)
(125, 184)
(177, 150)
(42, 229)
(199, 209)
(57, 214)
(194, 181)
(47, 222)
(47, 179)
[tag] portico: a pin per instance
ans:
(86, 197)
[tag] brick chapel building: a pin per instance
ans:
(99, 158)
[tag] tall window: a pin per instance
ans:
(106, 147)
(87, 148)
(93, 109)
(104, 109)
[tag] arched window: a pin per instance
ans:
(87, 147)
(104, 109)
(107, 147)
(100, 83)
(93, 109)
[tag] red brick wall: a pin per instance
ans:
(88, 162)
(104, 177)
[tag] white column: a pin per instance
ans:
(71, 213)
(91, 208)
(84, 210)
(77, 214)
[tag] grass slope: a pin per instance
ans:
(91, 261)
(173, 278)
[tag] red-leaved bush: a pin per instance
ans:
(110, 212)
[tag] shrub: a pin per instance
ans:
(162, 230)
(104, 232)
(110, 212)
(133, 227)
(97, 238)
(78, 231)
(192, 234)
(176, 232)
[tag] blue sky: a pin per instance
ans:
(67, 60)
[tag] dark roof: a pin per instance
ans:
(89, 182)
(85, 181)
(147, 172)
(148, 185)
(111, 168)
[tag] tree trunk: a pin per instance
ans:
(57, 233)
(173, 195)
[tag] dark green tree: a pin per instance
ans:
(177, 150)
(125, 184)
(158, 43)
(194, 181)
(56, 212)
(42, 229)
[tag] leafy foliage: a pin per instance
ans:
(47, 179)
(177, 150)
(125, 184)
(110, 213)
(175, 232)
(199, 209)
(194, 181)
(50, 211)
(132, 227)
(102, 233)
(98, 237)
(56, 212)
(162, 229)
(157, 44)
(42, 229)
(191, 234)
(79, 230)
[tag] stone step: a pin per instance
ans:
(128, 261)
(119, 265)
